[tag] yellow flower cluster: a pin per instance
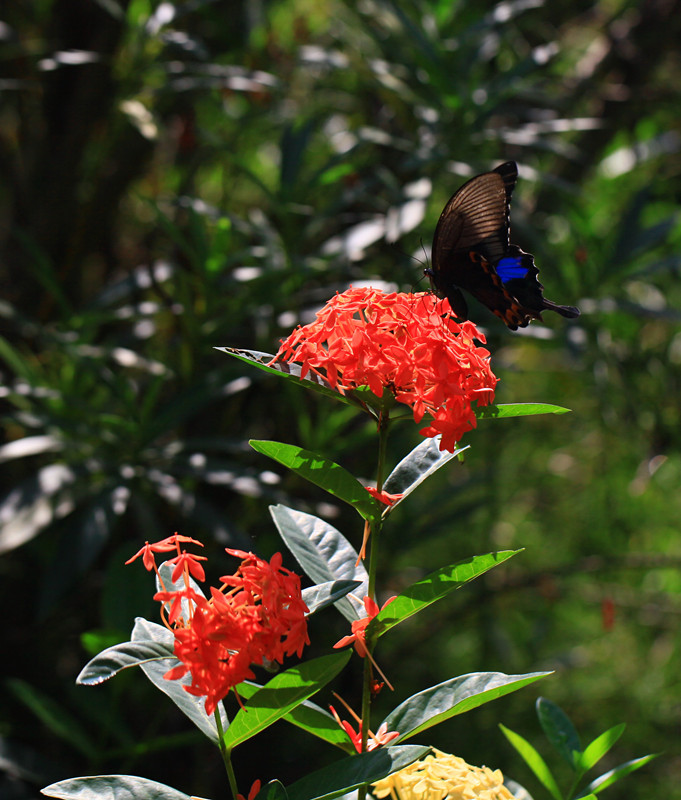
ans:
(439, 776)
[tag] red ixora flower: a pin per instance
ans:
(383, 497)
(407, 344)
(358, 636)
(255, 788)
(374, 740)
(359, 627)
(256, 615)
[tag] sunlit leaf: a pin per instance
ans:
(349, 773)
(455, 696)
(423, 461)
(331, 477)
(534, 761)
(291, 372)
(594, 752)
(193, 707)
(435, 586)
(518, 410)
(282, 694)
(120, 787)
(324, 554)
(308, 717)
(608, 778)
(121, 656)
(324, 594)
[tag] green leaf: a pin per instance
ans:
(282, 694)
(559, 731)
(191, 706)
(120, 787)
(518, 410)
(434, 587)
(274, 790)
(455, 696)
(331, 477)
(325, 594)
(324, 554)
(349, 773)
(121, 656)
(424, 460)
(594, 752)
(291, 372)
(534, 761)
(96, 641)
(608, 778)
(308, 717)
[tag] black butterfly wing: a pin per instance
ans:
(476, 217)
(518, 275)
(473, 230)
(471, 251)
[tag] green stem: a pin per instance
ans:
(383, 421)
(226, 754)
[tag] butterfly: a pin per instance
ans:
(471, 251)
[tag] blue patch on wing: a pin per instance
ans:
(509, 268)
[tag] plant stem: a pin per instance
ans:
(383, 421)
(373, 565)
(226, 754)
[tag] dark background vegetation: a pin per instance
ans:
(178, 176)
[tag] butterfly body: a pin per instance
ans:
(471, 251)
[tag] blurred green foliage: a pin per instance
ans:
(180, 176)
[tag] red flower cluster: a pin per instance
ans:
(256, 615)
(407, 344)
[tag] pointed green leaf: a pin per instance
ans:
(291, 372)
(324, 554)
(331, 477)
(534, 761)
(191, 706)
(452, 697)
(282, 694)
(608, 778)
(506, 410)
(325, 594)
(121, 787)
(594, 752)
(559, 731)
(349, 773)
(274, 790)
(434, 587)
(423, 461)
(121, 656)
(308, 717)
